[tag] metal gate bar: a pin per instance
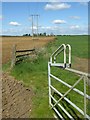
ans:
(76, 107)
(61, 107)
(76, 90)
(68, 91)
(83, 76)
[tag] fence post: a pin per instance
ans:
(13, 59)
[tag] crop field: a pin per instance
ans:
(33, 72)
(22, 43)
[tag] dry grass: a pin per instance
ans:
(22, 43)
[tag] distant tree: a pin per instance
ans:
(44, 34)
(40, 34)
(26, 35)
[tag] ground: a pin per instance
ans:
(21, 43)
(81, 64)
(29, 43)
(16, 98)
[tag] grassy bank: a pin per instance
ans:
(33, 72)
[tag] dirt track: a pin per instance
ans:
(16, 98)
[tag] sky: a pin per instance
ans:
(63, 18)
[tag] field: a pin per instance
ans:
(33, 72)
(79, 58)
(22, 43)
(80, 52)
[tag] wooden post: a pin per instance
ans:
(13, 60)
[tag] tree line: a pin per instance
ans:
(39, 34)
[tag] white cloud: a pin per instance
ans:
(74, 27)
(59, 21)
(65, 30)
(48, 27)
(34, 27)
(57, 6)
(14, 23)
(75, 17)
(62, 30)
(30, 28)
(42, 27)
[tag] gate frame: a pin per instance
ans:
(83, 76)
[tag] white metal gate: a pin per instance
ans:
(82, 76)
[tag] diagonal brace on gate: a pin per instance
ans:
(68, 91)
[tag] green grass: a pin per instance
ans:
(79, 45)
(34, 75)
(69, 78)
(33, 72)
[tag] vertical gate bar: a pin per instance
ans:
(64, 56)
(69, 49)
(49, 83)
(84, 96)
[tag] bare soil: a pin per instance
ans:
(16, 98)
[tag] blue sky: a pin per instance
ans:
(55, 17)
